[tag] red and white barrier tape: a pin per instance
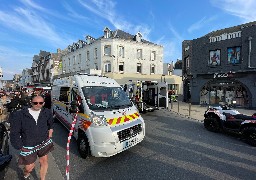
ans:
(69, 138)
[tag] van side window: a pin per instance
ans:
(64, 94)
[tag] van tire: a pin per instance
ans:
(83, 146)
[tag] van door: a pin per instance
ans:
(61, 106)
(163, 95)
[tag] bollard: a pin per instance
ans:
(178, 107)
(189, 109)
(171, 104)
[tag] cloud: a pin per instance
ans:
(201, 23)
(106, 10)
(27, 21)
(172, 44)
(71, 12)
(245, 10)
(10, 57)
(33, 5)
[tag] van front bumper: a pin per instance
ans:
(112, 148)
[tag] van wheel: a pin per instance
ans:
(211, 124)
(83, 146)
(249, 133)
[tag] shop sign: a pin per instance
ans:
(223, 75)
(225, 36)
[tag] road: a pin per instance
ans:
(175, 147)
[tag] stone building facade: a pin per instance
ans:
(220, 67)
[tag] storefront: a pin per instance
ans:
(220, 67)
(226, 88)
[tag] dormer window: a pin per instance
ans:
(89, 39)
(138, 37)
(107, 32)
(80, 44)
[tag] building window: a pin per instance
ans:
(234, 55)
(139, 53)
(187, 63)
(121, 51)
(121, 67)
(108, 67)
(96, 66)
(95, 53)
(79, 58)
(152, 69)
(138, 67)
(74, 60)
(107, 50)
(69, 61)
(214, 58)
(153, 55)
(88, 56)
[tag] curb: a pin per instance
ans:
(186, 116)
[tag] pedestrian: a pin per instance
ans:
(48, 101)
(31, 133)
(4, 100)
(16, 103)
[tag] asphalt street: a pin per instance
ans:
(175, 147)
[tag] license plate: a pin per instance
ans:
(131, 142)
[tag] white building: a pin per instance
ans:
(121, 56)
(115, 52)
(26, 77)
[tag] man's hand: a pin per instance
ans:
(50, 133)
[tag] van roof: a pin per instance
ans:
(86, 80)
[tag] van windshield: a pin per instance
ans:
(103, 98)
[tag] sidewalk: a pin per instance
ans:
(13, 171)
(197, 111)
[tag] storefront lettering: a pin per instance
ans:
(225, 36)
(222, 75)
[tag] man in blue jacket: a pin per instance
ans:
(31, 133)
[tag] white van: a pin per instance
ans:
(107, 121)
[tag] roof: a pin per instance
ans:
(231, 29)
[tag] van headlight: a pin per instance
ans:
(98, 120)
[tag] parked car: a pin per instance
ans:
(223, 118)
(5, 157)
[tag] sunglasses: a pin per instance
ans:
(35, 103)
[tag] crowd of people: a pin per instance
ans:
(13, 101)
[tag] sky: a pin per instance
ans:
(28, 26)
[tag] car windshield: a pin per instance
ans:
(103, 98)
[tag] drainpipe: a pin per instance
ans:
(249, 55)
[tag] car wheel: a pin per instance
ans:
(212, 124)
(249, 133)
(83, 146)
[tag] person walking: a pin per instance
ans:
(31, 133)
